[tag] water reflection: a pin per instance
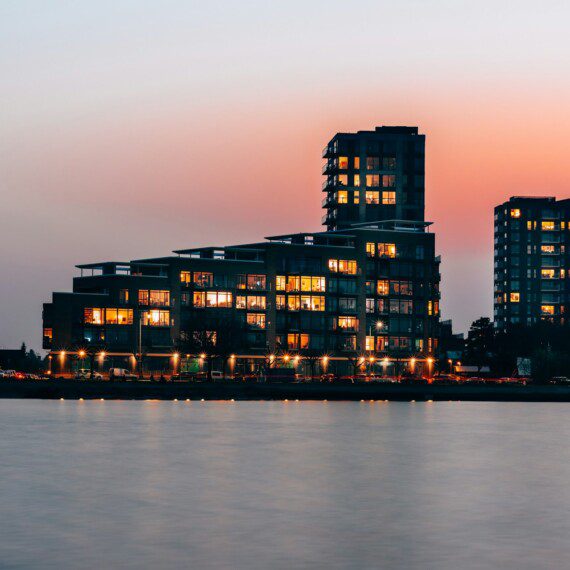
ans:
(283, 484)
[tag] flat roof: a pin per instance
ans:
(103, 264)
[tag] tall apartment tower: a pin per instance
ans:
(374, 176)
(532, 261)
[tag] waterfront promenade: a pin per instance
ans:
(73, 389)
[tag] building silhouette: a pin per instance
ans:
(532, 268)
(365, 290)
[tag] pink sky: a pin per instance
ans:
(122, 142)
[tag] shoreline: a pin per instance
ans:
(86, 389)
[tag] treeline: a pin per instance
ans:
(547, 345)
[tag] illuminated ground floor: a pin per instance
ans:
(68, 363)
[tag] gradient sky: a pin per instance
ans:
(131, 128)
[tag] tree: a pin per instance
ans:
(215, 334)
(480, 342)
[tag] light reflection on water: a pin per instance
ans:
(280, 485)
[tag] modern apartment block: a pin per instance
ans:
(532, 264)
(374, 175)
(364, 292)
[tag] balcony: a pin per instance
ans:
(330, 166)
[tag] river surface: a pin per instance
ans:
(271, 485)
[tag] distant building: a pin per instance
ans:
(361, 292)
(451, 345)
(532, 265)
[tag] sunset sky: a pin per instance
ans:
(131, 128)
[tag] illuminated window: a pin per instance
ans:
(382, 343)
(203, 279)
(293, 283)
(159, 297)
(369, 343)
(219, 299)
(515, 297)
(241, 281)
(369, 305)
(347, 323)
(388, 181)
(312, 303)
(356, 197)
(372, 197)
(156, 318)
(356, 162)
(387, 250)
(256, 282)
(430, 308)
(372, 180)
(547, 273)
(143, 297)
(370, 249)
(185, 276)
(124, 296)
(315, 284)
(342, 197)
(297, 341)
(529, 225)
(256, 320)
(547, 249)
(547, 309)
(280, 302)
(199, 299)
(92, 316)
(388, 197)
(347, 266)
(357, 180)
(280, 282)
(515, 213)
(343, 162)
(256, 302)
(241, 302)
(48, 333)
(333, 265)
(382, 287)
(343, 179)
(293, 302)
(125, 316)
(547, 226)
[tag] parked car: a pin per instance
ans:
(85, 374)
(560, 380)
(7, 373)
(121, 374)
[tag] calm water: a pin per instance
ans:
(284, 485)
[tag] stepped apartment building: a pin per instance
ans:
(532, 261)
(365, 290)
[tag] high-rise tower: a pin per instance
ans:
(374, 175)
